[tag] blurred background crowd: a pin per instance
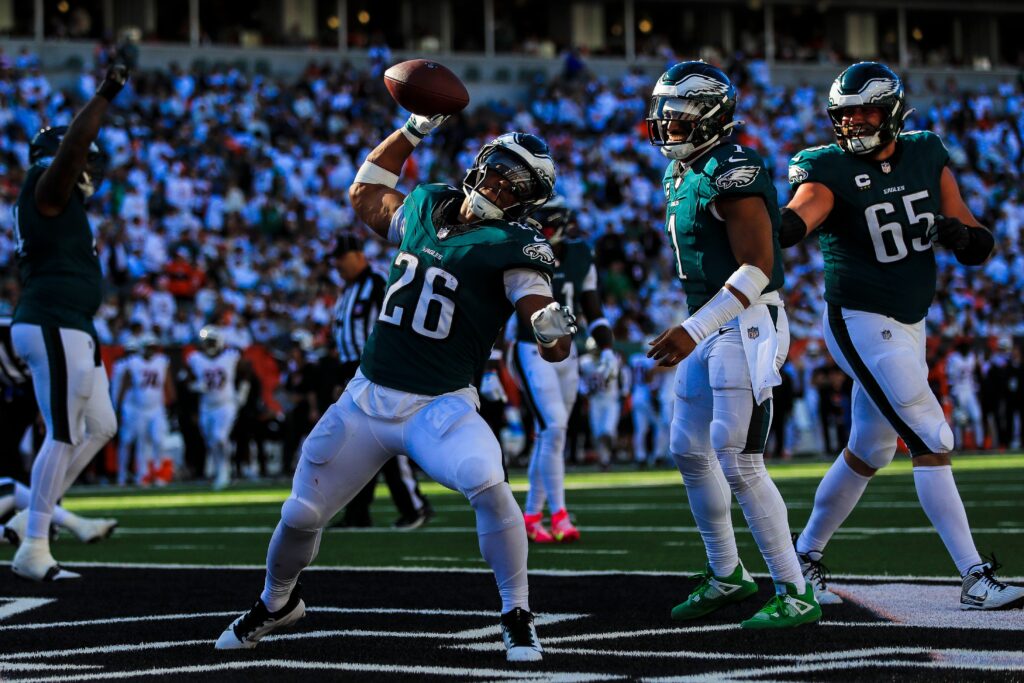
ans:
(226, 190)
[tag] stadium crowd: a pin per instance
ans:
(225, 192)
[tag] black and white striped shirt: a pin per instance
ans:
(355, 313)
(13, 370)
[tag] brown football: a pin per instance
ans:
(426, 88)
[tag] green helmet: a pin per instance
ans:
(867, 84)
(697, 101)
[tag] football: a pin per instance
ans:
(426, 88)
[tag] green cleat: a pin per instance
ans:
(714, 592)
(786, 610)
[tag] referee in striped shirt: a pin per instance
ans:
(354, 316)
(17, 405)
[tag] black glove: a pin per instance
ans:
(950, 233)
(117, 76)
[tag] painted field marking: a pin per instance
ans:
(922, 606)
(19, 605)
(296, 665)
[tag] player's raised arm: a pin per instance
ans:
(957, 229)
(69, 167)
(806, 211)
(373, 194)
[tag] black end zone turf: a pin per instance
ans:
(373, 648)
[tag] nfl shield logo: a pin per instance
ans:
(886, 167)
(753, 333)
(886, 335)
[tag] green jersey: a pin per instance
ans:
(877, 257)
(704, 258)
(446, 300)
(61, 281)
(569, 280)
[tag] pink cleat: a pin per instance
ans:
(562, 528)
(535, 530)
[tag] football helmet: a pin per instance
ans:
(45, 144)
(553, 219)
(867, 84)
(147, 342)
(522, 159)
(697, 101)
(211, 339)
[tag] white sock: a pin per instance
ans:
(48, 473)
(291, 551)
(552, 471)
(940, 500)
(766, 514)
(837, 495)
(503, 545)
(710, 503)
(22, 496)
(535, 496)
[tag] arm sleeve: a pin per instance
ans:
(396, 229)
(520, 282)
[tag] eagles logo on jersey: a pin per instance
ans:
(867, 84)
(740, 176)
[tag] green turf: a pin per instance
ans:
(888, 533)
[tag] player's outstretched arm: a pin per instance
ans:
(808, 209)
(957, 229)
(53, 191)
(553, 325)
(373, 195)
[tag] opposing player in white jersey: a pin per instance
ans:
(605, 393)
(126, 431)
(147, 387)
(550, 389)
(962, 373)
(214, 370)
(645, 414)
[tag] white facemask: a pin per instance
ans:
(483, 208)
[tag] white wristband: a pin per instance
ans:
(373, 174)
(411, 137)
(748, 280)
(721, 309)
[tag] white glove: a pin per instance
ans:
(491, 387)
(421, 126)
(608, 365)
(551, 323)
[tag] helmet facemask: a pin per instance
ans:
(509, 174)
(682, 128)
(867, 85)
(863, 137)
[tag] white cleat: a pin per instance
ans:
(34, 562)
(92, 530)
(982, 590)
(816, 574)
(245, 631)
(520, 636)
(17, 527)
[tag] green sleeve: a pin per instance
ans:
(741, 174)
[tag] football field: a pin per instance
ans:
(388, 605)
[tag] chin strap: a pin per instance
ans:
(483, 208)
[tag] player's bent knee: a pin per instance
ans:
(693, 465)
(474, 474)
(555, 436)
(306, 512)
(742, 470)
(871, 456)
(945, 439)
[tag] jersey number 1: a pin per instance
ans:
(426, 298)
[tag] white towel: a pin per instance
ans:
(761, 345)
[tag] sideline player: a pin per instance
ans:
(722, 221)
(461, 269)
(148, 387)
(215, 370)
(882, 198)
(53, 329)
(962, 372)
(605, 393)
(124, 409)
(550, 389)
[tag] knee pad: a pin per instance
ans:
(305, 509)
(875, 455)
(724, 437)
(945, 438)
(474, 474)
(496, 509)
(554, 438)
(742, 470)
(680, 443)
